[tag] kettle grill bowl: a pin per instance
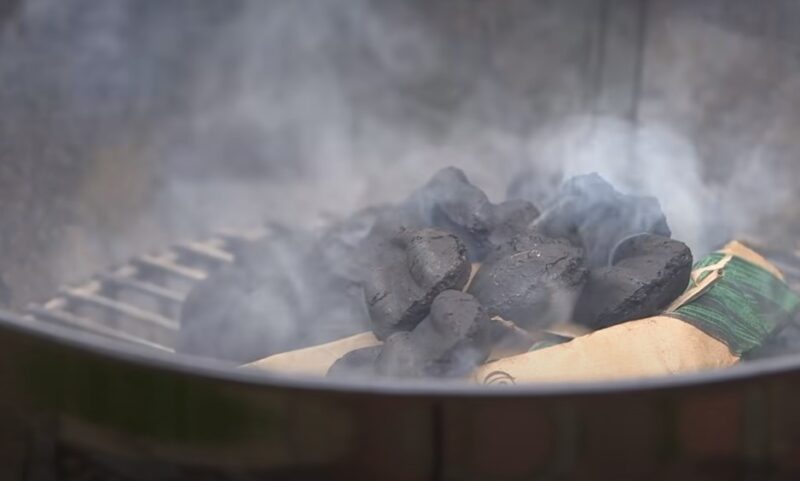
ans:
(110, 399)
(89, 388)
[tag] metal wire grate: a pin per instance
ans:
(141, 301)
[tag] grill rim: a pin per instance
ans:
(217, 371)
(151, 354)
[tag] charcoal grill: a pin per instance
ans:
(89, 387)
(118, 404)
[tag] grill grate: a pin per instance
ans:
(141, 301)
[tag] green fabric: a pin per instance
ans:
(743, 307)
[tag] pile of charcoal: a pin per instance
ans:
(445, 279)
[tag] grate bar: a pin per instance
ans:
(231, 240)
(150, 289)
(204, 252)
(121, 308)
(168, 266)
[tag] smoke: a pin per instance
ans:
(361, 101)
(188, 117)
(353, 100)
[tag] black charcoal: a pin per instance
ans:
(455, 337)
(450, 342)
(648, 273)
(512, 218)
(400, 357)
(450, 202)
(532, 281)
(407, 273)
(359, 363)
(591, 213)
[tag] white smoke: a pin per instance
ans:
(358, 102)
(299, 111)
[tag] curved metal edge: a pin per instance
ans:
(213, 370)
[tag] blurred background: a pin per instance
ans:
(126, 125)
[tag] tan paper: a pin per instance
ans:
(649, 347)
(315, 360)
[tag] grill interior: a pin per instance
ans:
(141, 300)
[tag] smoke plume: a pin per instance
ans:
(175, 119)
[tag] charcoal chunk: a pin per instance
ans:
(455, 337)
(451, 341)
(532, 281)
(512, 218)
(401, 357)
(407, 273)
(648, 273)
(359, 363)
(450, 202)
(591, 213)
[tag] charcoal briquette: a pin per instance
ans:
(407, 273)
(512, 218)
(359, 363)
(455, 336)
(450, 202)
(648, 273)
(532, 281)
(451, 341)
(591, 213)
(400, 357)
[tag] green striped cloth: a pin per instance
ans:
(743, 307)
